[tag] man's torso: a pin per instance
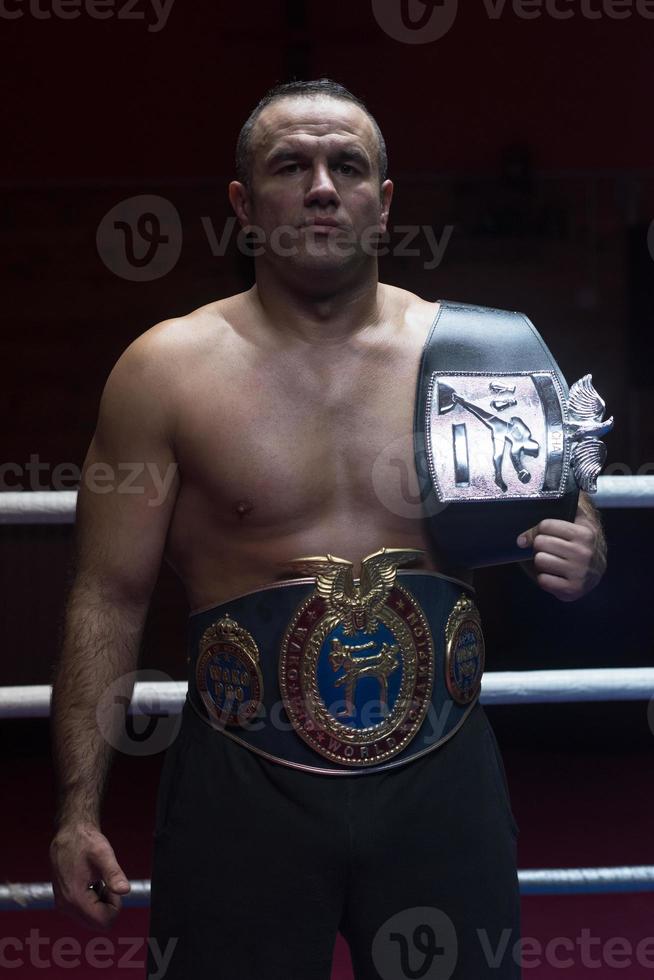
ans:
(291, 449)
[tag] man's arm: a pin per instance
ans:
(569, 556)
(120, 535)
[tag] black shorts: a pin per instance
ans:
(257, 866)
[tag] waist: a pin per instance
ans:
(340, 680)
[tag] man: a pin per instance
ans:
(272, 408)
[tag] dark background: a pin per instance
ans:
(531, 138)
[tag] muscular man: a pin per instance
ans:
(264, 414)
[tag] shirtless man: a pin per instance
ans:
(269, 410)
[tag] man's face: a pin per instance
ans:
(314, 188)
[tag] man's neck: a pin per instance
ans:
(318, 317)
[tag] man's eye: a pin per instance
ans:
(290, 168)
(347, 168)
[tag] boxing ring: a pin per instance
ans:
(524, 687)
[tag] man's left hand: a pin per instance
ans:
(569, 556)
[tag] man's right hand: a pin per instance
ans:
(80, 854)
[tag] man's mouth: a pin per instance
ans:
(322, 223)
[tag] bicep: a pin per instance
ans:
(129, 483)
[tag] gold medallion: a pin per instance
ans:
(357, 660)
(228, 674)
(464, 651)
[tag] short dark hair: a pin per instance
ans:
(320, 86)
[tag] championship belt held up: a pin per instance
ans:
(500, 441)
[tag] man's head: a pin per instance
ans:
(312, 182)
(324, 87)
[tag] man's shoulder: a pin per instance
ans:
(409, 306)
(183, 338)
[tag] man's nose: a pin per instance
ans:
(322, 189)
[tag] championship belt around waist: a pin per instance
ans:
(336, 675)
(500, 441)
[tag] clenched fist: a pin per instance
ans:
(81, 854)
(569, 556)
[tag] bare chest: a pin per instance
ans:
(275, 442)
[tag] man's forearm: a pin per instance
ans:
(590, 511)
(100, 649)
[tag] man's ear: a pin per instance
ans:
(240, 201)
(386, 198)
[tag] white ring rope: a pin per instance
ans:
(584, 881)
(148, 698)
(586, 684)
(624, 491)
(546, 881)
(58, 506)
(38, 507)
(498, 687)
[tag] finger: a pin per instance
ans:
(526, 538)
(101, 916)
(105, 903)
(548, 544)
(555, 585)
(89, 911)
(118, 883)
(82, 896)
(98, 905)
(104, 895)
(104, 862)
(558, 529)
(552, 565)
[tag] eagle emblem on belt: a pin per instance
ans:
(586, 429)
(356, 663)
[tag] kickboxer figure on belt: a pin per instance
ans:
(334, 769)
